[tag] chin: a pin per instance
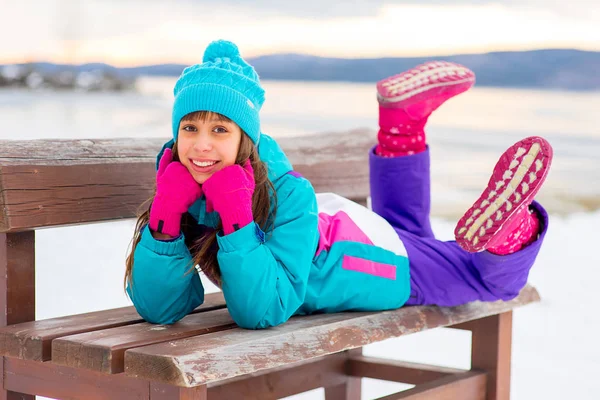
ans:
(200, 179)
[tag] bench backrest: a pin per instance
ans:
(47, 183)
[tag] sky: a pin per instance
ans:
(139, 32)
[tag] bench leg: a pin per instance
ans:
(491, 352)
(17, 288)
(351, 388)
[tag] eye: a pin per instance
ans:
(189, 128)
(220, 129)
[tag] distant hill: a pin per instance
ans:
(551, 68)
(555, 69)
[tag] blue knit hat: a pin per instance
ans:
(224, 83)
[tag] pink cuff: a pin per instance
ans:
(165, 221)
(236, 219)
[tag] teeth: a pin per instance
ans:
(204, 164)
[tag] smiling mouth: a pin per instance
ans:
(204, 164)
(203, 167)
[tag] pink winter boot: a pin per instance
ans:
(406, 100)
(500, 220)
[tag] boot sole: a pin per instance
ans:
(517, 177)
(431, 76)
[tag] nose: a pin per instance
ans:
(203, 142)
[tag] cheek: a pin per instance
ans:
(230, 151)
(230, 158)
(182, 150)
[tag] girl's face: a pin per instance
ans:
(207, 146)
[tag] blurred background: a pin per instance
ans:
(106, 69)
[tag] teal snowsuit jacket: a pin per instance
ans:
(295, 270)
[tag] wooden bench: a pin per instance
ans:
(114, 354)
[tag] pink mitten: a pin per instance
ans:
(229, 192)
(176, 191)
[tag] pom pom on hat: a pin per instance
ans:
(225, 84)
(220, 49)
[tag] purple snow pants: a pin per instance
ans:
(442, 273)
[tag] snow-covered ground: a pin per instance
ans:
(555, 349)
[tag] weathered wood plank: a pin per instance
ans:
(305, 150)
(196, 361)
(39, 196)
(58, 382)
(103, 351)
(284, 381)
(7, 394)
(48, 379)
(231, 353)
(62, 182)
(469, 385)
(17, 287)
(48, 152)
(397, 371)
(32, 340)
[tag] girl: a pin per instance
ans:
(228, 202)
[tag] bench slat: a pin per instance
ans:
(63, 182)
(41, 196)
(103, 351)
(32, 340)
(200, 360)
